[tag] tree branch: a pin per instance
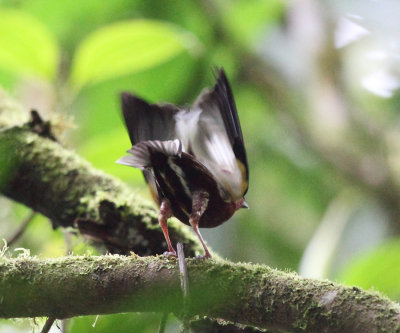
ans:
(43, 175)
(243, 293)
(21, 229)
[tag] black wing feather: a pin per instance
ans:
(146, 121)
(221, 96)
(222, 92)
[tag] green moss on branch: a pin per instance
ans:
(243, 293)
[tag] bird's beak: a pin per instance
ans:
(244, 205)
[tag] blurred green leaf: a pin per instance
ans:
(27, 46)
(103, 150)
(70, 21)
(128, 47)
(7, 79)
(41, 238)
(248, 20)
(129, 322)
(378, 269)
(99, 105)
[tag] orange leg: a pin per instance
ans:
(199, 205)
(163, 216)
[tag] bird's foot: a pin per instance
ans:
(170, 254)
(204, 257)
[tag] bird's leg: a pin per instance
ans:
(199, 205)
(163, 216)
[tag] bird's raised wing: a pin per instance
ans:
(146, 121)
(211, 131)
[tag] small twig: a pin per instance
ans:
(163, 321)
(41, 127)
(185, 290)
(183, 270)
(49, 322)
(184, 285)
(22, 228)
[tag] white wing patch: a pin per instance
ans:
(221, 152)
(186, 126)
(221, 161)
(206, 137)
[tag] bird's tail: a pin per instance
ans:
(142, 151)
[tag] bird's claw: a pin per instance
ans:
(203, 257)
(170, 254)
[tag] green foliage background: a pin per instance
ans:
(71, 60)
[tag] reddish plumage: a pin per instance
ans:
(194, 160)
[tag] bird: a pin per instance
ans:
(193, 158)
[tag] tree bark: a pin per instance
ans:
(243, 293)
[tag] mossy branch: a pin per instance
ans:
(40, 173)
(243, 293)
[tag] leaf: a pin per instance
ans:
(378, 269)
(127, 47)
(104, 149)
(99, 105)
(27, 46)
(248, 20)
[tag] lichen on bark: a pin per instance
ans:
(248, 294)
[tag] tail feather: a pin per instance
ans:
(141, 152)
